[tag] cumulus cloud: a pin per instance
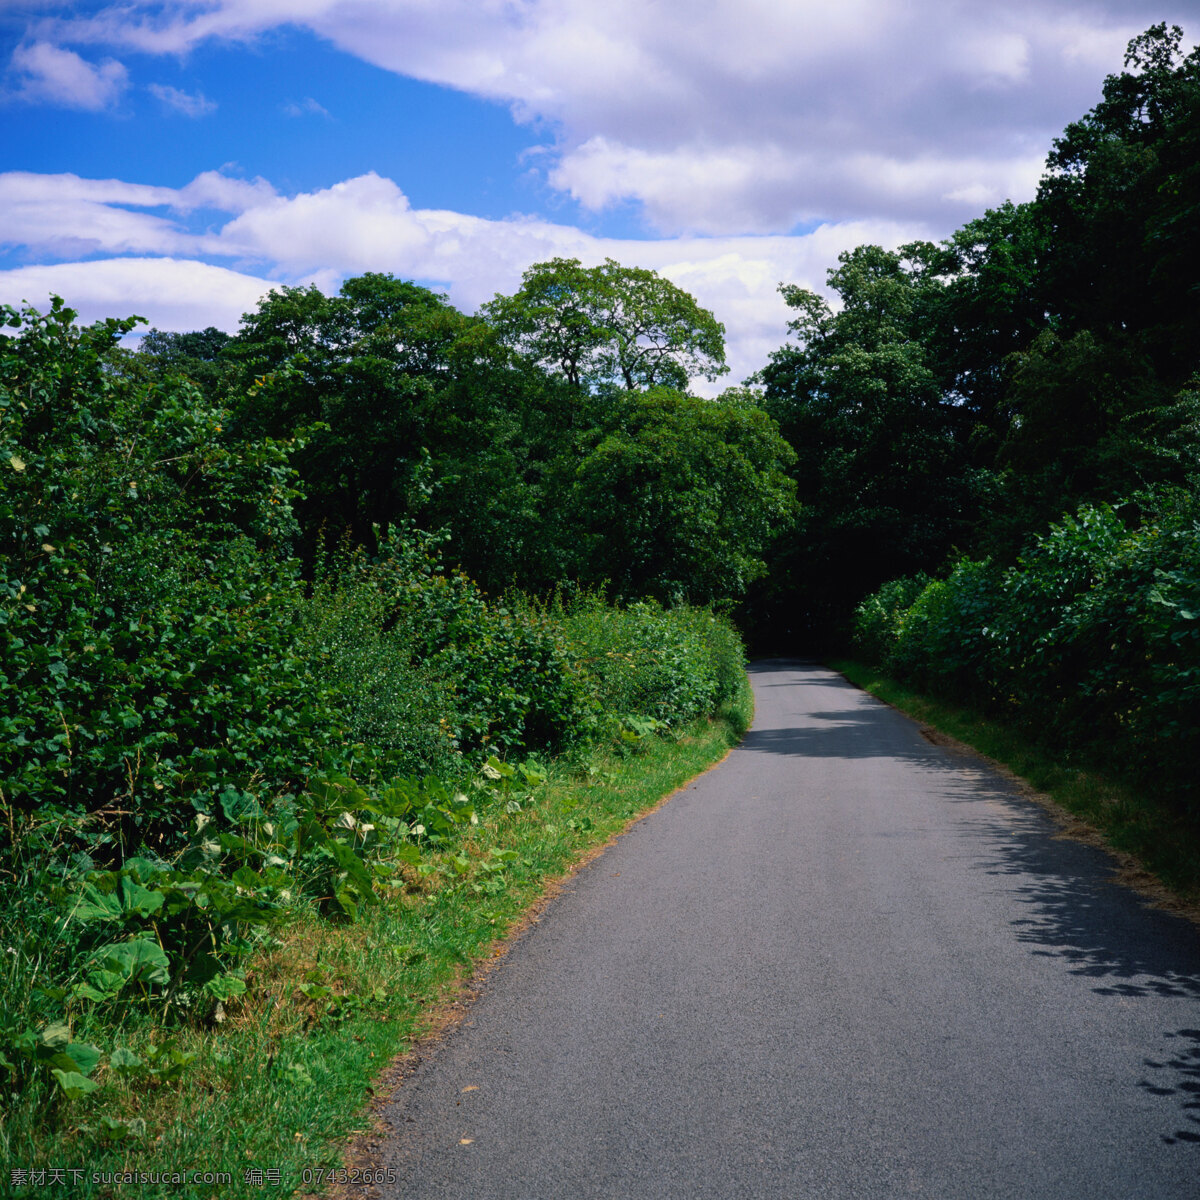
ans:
(189, 105)
(729, 115)
(171, 293)
(64, 216)
(361, 224)
(48, 74)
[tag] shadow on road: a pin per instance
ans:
(1075, 911)
(847, 734)
(1184, 1061)
(1079, 914)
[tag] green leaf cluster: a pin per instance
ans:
(1094, 634)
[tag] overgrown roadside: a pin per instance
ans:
(1155, 850)
(264, 1100)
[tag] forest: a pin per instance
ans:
(286, 612)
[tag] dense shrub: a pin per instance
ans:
(944, 637)
(513, 683)
(1092, 639)
(877, 619)
(194, 739)
(668, 664)
(145, 610)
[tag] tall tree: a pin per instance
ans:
(884, 484)
(1121, 202)
(609, 326)
(369, 382)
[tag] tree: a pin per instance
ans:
(1121, 202)
(197, 355)
(370, 383)
(883, 481)
(679, 498)
(609, 326)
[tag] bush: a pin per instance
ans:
(877, 619)
(1094, 635)
(394, 706)
(645, 660)
(146, 613)
(513, 683)
(945, 635)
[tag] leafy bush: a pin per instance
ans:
(944, 637)
(877, 619)
(393, 703)
(1093, 635)
(145, 611)
(194, 740)
(646, 660)
(512, 682)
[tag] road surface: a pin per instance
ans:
(844, 963)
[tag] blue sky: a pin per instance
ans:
(177, 158)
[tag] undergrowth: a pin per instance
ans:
(207, 759)
(270, 1082)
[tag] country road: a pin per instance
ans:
(844, 963)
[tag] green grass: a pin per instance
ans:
(284, 1079)
(1128, 815)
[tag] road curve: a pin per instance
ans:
(845, 963)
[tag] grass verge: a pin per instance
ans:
(262, 1102)
(1159, 846)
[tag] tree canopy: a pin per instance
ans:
(609, 326)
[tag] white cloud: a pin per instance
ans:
(362, 224)
(48, 74)
(729, 115)
(67, 216)
(308, 107)
(170, 293)
(212, 189)
(189, 105)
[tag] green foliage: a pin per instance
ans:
(679, 498)
(140, 592)
(884, 482)
(1094, 635)
(609, 326)
(367, 663)
(646, 662)
(195, 743)
(197, 355)
(511, 682)
(363, 384)
(877, 619)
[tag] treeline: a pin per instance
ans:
(966, 394)
(551, 437)
(999, 445)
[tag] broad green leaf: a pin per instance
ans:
(123, 1061)
(73, 1084)
(55, 1037)
(140, 960)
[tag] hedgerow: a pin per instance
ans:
(196, 741)
(1091, 640)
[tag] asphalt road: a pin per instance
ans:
(845, 963)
